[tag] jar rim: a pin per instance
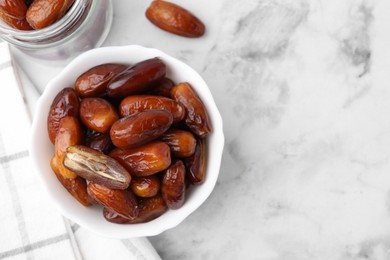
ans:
(36, 38)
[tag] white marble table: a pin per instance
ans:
(303, 87)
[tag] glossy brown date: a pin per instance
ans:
(196, 164)
(141, 128)
(20, 24)
(137, 103)
(69, 134)
(99, 142)
(122, 202)
(149, 209)
(65, 103)
(77, 187)
(97, 114)
(162, 88)
(96, 167)
(145, 187)
(43, 13)
(13, 13)
(197, 118)
(144, 160)
(174, 19)
(136, 79)
(173, 185)
(182, 143)
(14, 8)
(93, 83)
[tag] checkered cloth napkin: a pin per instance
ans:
(29, 227)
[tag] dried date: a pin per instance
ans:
(14, 8)
(197, 118)
(137, 103)
(145, 187)
(196, 164)
(97, 114)
(99, 142)
(136, 79)
(162, 88)
(141, 128)
(122, 202)
(182, 143)
(144, 160)
(69, 133)
(77, 187)
(65, 103)
(20, 24)
(93, 83)
(174, 19)
(173, 185)
(43, 13)
(97, 167)
(149, 209)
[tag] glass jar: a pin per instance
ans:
(83, 27)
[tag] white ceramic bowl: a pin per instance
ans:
(41, 149)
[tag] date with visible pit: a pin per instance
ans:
(129, 139)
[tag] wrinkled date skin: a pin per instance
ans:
(66, 103)
(97, 114)
(137, 103)
(196, 164)
(77, 187)
(197, 118)
(182, 143)
(20, 24)
(173, 185)
(162, 88)
(69, 134)
(99, 142)
(14, 19)
(145, 187)
(93, 83)
(141, 128)
(43, 13)
(136, 79)
(149, 209)
(144, 160)
(14, 8)
(96, 167)
(174, 19)
(123, 202)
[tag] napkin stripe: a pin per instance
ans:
(75, 227)
(12, 157)
(133, 249)
(33, 246)
(72, 239)
(4, 162)
(27, 247)
(15, 199)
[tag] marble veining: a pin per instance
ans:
(304, 173)
(303, 88)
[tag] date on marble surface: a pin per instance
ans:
(174, 19)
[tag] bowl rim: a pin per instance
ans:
(40, 118)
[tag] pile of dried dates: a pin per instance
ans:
(33, 14)
(129, 139)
